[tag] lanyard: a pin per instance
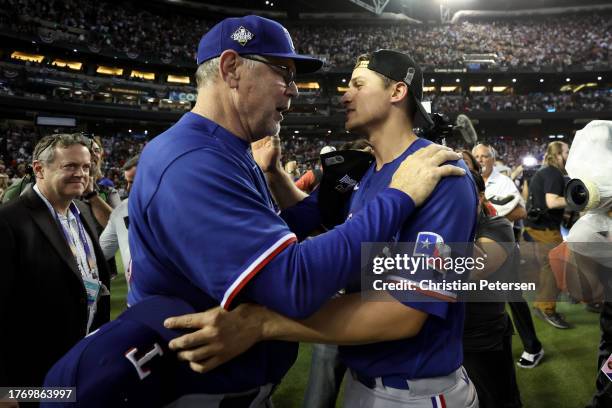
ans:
(82, 236)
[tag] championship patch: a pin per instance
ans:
(242, 36)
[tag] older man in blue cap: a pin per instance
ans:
(204, 226)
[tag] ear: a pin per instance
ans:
(228, 68)
(399, 92)
(38, 167)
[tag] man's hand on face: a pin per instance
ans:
(219, 337)
(419, 174)
(267, 153)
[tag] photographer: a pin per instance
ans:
(545, 206)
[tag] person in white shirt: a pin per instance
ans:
(115, 235)
(501, 191)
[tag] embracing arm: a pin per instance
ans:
(346, 320)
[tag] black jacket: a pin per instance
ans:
(43, 303)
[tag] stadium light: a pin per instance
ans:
(514, 80)
(457, 80)
(296, 131)
(146, 132)
(448, 88)
(329, 131)
(75, 50)
(489, 80)
(343, 80)
(433, 80)
(529, 161)
(567, 79)
(541, 80)
(267, 2)
(130, 130)
(599, 78)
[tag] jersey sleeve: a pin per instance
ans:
(446, 220)
(221, 234)
(215, 225)
(300, 279)
(304, 217)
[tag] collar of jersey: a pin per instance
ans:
(414, 146)
(217, 131)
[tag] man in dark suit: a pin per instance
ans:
(54, 280)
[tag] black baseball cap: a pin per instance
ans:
(400, 67)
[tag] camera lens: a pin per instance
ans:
(576, 194)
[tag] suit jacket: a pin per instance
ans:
(43, 303)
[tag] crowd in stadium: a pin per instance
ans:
(595, 100)
(17, 144)
(579, 39)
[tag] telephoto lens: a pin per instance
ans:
(581, 195)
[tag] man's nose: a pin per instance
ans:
(345, 99)
(292, 90)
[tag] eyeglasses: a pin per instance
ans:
(286, 72)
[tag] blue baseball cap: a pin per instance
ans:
(253, 35)
(127, 361)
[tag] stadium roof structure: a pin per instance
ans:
(423, 10)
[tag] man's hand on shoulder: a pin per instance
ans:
(420, 172)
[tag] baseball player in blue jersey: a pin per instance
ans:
(400, 352)
(204, 226)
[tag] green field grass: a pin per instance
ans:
(564, 379)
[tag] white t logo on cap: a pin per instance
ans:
(139, 364)
(409, 75)
(242, 36)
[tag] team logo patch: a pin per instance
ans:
(409, 75)
(431, 246)
(242, 36)
(345, 184)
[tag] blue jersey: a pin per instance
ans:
(450, 213)
(203, 227)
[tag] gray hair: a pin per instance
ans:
(488, 146)
(208, 71)
(45, 148)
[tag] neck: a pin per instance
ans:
(216, 106)
(390, 140)
(59, 204)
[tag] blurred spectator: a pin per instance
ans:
(543, 225)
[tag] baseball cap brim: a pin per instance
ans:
(303, 63)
